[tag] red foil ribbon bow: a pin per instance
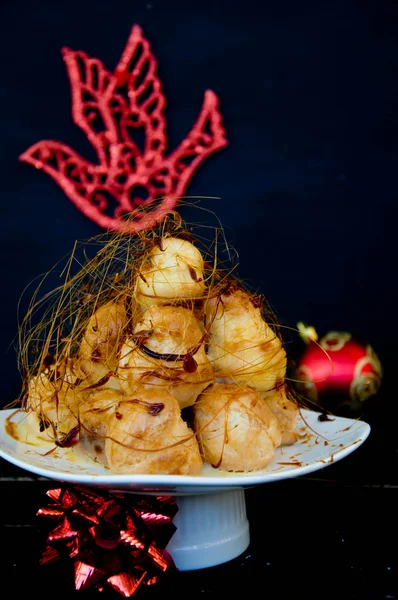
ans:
(112, 109)
(113, 540)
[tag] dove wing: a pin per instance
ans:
(136, 75)
(91, 110)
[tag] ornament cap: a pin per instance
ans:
(307, 332)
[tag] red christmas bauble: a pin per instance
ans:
(338, 367)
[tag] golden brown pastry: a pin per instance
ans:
(173, 271)
(146, 434)
(235, 428)
(55, 405)
(101, 342)
(96, 408)
(286, 412)
(242, 347)
(166, 351)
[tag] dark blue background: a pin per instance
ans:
(308, 184)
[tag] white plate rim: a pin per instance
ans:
(226, 480)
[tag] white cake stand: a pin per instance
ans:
(211, 529)
(212, 524)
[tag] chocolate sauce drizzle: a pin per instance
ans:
(153, 408)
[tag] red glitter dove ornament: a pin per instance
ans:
(110, 108)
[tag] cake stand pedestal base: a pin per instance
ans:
(211, 529)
